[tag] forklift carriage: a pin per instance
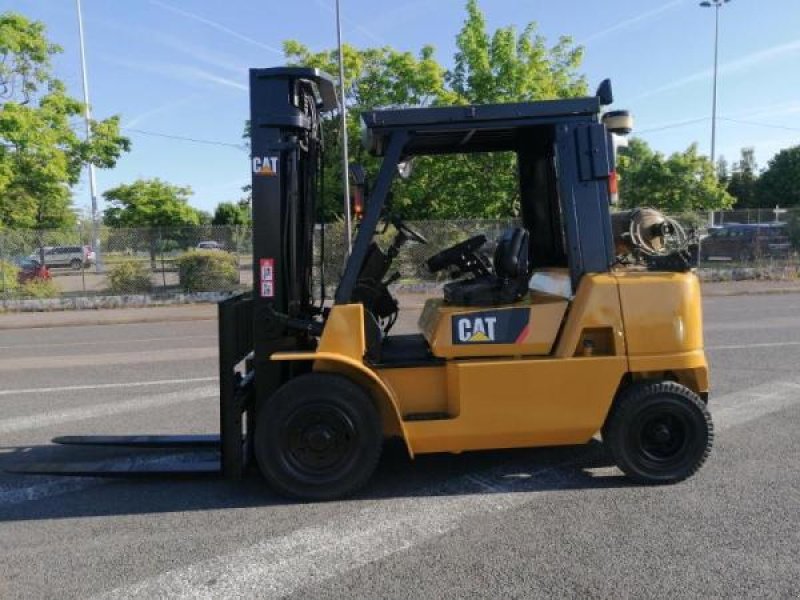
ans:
(555, 339)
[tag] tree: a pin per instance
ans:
(41, 154)
(375, 77)
(780, 183)
(151, 204)
(232, 213)
(501, 67)
(743, 181)
(723, 171)
(684, 181)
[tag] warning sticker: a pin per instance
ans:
(267, 268)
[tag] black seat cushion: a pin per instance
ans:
(507, 284)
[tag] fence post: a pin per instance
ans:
(161, 254)
(237, 236)
(83, 265)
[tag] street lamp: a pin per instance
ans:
(88, 119)
(716, 4)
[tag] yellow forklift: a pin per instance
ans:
(579, 323)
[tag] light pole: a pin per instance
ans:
(716, 5)
(348, 234)
(88, 118)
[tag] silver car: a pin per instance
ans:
(65, 256)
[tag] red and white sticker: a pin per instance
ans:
(267, 268)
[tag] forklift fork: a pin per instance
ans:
(226, 454)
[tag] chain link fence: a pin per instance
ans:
(754, 243)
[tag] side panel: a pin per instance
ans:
(663, 315)
(537, 401)
(528, 328)
(524, 403)
(663, 312)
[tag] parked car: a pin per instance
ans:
(65, 256)
(745, 242)
(210, 245)
(30, 269)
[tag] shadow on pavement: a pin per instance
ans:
(34, 497)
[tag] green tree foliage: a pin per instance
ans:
(232, 213)
(153, 204)
(743, 180)
(505, 66)
(41, 153)
(684, 181)
(207, 270)
(780, 183)
(150, 203)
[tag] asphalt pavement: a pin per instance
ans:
(513, 524)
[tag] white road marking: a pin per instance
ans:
(106, 358)
(280, 566)
(39, 421)
(102, 342)
(745, 346)
(105, 386)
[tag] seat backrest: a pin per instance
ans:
(511, 255)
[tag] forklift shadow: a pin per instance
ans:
(524, 470)
(35, 497)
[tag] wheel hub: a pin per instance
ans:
(319, 440)
(661, 433)
(319, 437)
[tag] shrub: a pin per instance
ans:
(129, 277)
(207, 270)
(8, 277)
(39, 288)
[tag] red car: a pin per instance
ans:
(30, 270)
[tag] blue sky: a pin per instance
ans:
(179, 67)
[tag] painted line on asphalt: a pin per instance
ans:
(277, 567)
(102, 342)
(746, 346)
(105, 386)
(107, 358)
(16, 424)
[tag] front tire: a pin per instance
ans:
(659, 432)
(319, 437)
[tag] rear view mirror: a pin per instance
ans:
(405, 168)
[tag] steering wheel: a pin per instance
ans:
(408, 232)
(462, 255)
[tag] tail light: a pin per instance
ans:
(613, 187)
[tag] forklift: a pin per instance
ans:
(580, 323)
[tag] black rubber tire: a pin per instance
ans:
(659, 432)
(76, 264)
(300, 409)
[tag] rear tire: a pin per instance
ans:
(659, 432)
(319, 437)
(76, 264)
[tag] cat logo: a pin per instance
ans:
(476, 330)
(502, 326)
(266, 166)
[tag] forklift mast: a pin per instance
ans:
(286, 164)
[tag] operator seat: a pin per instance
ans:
(507, 284)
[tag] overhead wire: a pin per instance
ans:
(186, 139)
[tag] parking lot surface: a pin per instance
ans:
(516, 524)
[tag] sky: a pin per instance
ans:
(179, 68)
